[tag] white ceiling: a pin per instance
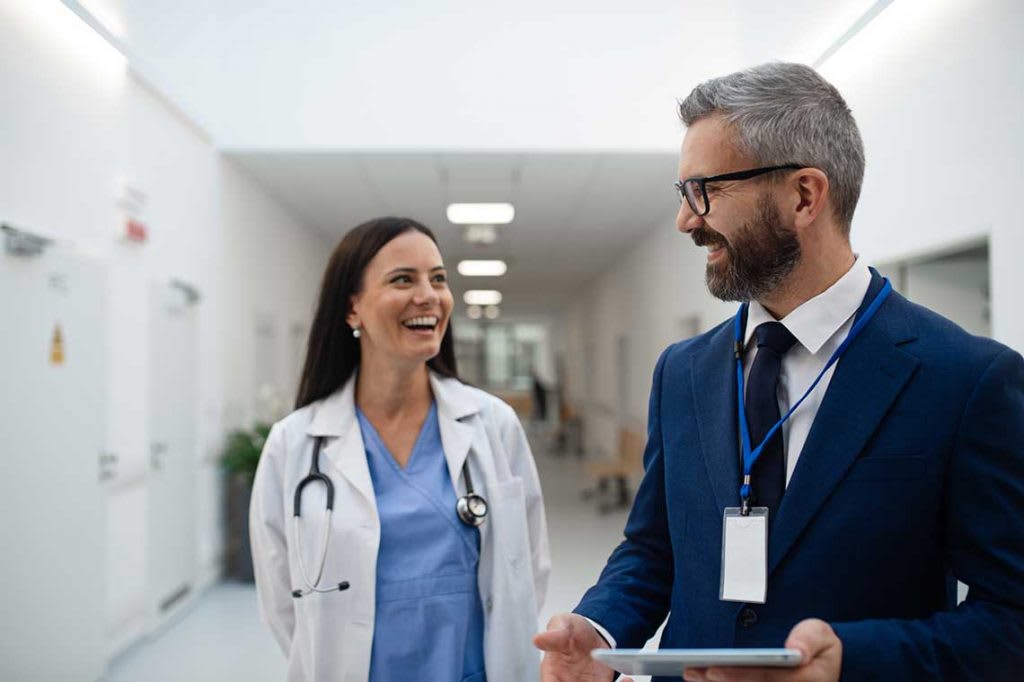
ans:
(454, 74)
(349, 109)
(574, 211)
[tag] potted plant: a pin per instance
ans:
(240, 456)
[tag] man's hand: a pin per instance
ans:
(822, 660)
(567, 644)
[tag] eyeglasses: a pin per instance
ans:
(695, 190)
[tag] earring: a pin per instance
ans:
(356, 332)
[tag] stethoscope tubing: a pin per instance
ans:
(465, 508)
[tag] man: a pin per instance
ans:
(899, 473)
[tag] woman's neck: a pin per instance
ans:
(387, 390)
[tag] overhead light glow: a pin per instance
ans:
(481, 214)
(481, 234)
(104, 13)
(482, 268)
(492, 312)
(474, 312)
(86, 48)
(482, 297)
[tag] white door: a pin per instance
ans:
(173, 368)
(52, 431)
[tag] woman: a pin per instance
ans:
(411, 587)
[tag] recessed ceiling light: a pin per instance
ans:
(474, 312)
(481, 214)
(482, 268)
(492, 312)
(482, 297)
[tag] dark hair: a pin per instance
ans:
(332, 353)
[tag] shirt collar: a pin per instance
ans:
(815, 321)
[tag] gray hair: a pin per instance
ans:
(787, 113)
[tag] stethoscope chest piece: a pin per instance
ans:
(472, 509)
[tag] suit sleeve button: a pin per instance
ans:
(748, 617)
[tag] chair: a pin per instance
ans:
(628, 461)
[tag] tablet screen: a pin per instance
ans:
(674, 661)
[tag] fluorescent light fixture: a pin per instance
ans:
(481, 214)
(482, 297)
(482, 268)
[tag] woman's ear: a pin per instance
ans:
(352, 318)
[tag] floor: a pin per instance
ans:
(220, 637)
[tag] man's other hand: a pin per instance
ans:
(567, 644)
(822, 660)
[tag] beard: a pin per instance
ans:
(760, 256)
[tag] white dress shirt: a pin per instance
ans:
(820, 325)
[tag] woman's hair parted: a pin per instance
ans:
(332, 353)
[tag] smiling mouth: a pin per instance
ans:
(421, 324)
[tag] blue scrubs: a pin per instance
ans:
(429, 623)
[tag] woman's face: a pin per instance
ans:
(404, 306)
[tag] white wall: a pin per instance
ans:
(73, 122)
(648, 296)
(272, 271)
(936, 90)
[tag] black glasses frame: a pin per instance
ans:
(690, 187)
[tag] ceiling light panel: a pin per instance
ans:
(481, 214)
(483, 297)
(482, 268)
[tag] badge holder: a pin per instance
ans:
(744, 555)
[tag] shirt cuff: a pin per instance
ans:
(604, 633)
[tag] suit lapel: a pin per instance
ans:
(714, 397)
(866, 382)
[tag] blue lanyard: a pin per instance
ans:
(750, 456)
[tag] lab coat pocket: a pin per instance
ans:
(509, 516)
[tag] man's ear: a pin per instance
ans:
(811, 196)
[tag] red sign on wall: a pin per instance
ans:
(135, 230)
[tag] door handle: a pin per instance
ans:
(156, 453)
(107, 466)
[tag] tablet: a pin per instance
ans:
(673, 661)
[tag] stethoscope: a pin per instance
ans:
(471, 509)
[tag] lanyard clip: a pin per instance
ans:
(745, 493)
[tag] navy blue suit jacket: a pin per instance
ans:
(912, 476)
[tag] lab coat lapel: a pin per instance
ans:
(335, 420)
(454, 406)
(866, 382)
(714, 396)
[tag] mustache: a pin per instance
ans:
(705, 236)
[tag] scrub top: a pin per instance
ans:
(429, 623)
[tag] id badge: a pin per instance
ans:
(744, 555)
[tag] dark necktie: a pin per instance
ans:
(769, 474)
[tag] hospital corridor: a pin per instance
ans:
(510, 342)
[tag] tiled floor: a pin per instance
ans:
(220, 638)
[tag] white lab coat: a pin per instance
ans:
(328, 637)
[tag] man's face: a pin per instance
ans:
(751, 249)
